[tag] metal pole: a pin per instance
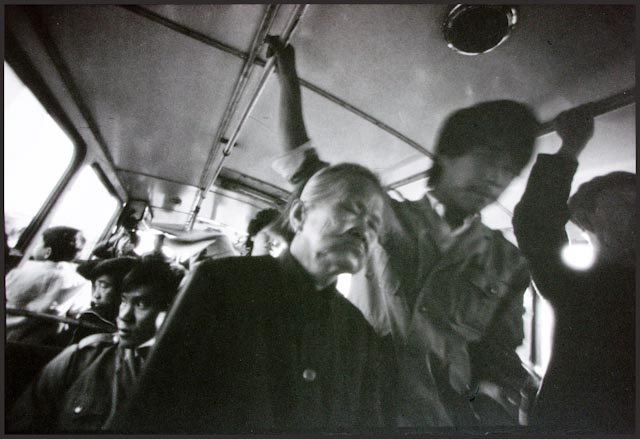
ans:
(241, 83)
(52, 318)
(314, 88)
(269, 68)
(150, 15)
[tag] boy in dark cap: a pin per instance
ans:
(106, 278)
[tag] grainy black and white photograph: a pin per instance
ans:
(358, 219)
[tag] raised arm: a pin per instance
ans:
(291, 118)
(541, 215)
(575, 128)
(298, 164)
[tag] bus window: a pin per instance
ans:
(88, 206)
(538, 319)
(36, 155)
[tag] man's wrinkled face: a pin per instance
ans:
(472, 181)
(103, 291)
(137, 317)
(338, 233)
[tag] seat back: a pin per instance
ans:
(22, 362)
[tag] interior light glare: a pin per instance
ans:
(579, 255)
(344, 283)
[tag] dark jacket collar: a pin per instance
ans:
(294, 270)
(314, 303)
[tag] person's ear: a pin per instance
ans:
(46, 252)
(297, 216)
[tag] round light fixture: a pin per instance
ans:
(476, 29)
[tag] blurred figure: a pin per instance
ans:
(42, 284)
(589, 386)
(106, 278)
(87, 383)
(157, 253)
(219, 247)
(268, 344)
(127, 245)
(121, 244)
(263, 236)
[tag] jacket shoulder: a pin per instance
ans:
(502, 243)
(95, 340)
(235, 266)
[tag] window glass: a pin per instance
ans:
(36, 154)
(538, 319)
(546, 322)
(88, 206)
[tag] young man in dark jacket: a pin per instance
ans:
(82, 388)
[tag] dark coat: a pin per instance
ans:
(589, 385)
(455, 315)
(251, 346)
(73, 393)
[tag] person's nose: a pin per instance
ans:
(358, 227)
(126, 312)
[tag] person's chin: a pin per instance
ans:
(478, 200)
(349, 263)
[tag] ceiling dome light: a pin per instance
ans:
(476, 29)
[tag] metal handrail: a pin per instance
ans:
(247, 68)
(52, 318)
(177, 27)
(269, 68)
(596, 108)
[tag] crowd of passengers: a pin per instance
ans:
(424, 341)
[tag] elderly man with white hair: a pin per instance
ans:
(263, 344)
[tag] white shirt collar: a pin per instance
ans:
(149, 342)
(441, 209)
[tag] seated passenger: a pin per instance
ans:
(41, 285)
(263, 235)
(589, 386)
(85, 385)
(268, 344)
(106, 278)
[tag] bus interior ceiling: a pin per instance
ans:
(179, 104)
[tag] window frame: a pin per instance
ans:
(31, 78)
